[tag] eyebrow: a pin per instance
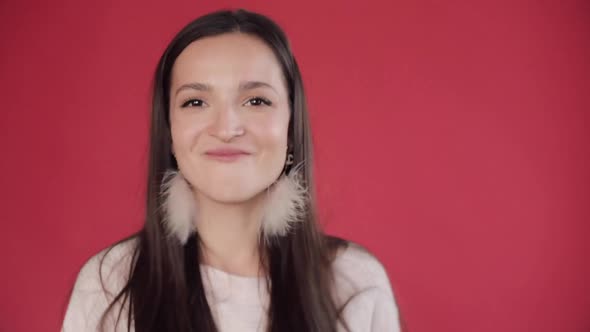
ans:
(247, 85)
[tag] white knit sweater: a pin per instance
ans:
(239, 303)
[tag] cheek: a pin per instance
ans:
(185, 133)
(272, 136)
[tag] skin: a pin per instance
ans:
(219, 93)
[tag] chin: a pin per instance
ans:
(231, 195)
(226, 187)
(230, 190)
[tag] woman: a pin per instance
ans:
(230, 241)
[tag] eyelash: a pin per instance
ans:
(261, 99)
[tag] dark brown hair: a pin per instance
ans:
(164, 290)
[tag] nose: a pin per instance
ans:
(227, 124)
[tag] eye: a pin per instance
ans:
(259, 101)
(192, 103)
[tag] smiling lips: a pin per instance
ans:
(226, 154)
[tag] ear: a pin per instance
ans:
(287, 168)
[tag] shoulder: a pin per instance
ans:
(363, 290)
(109, 267)
(97, 284)
(360, 270)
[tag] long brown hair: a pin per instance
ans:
(164, 290)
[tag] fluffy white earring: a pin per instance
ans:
(178, 205)
(284, 206)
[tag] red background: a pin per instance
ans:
(452, 139)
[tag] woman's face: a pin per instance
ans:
(229, 115)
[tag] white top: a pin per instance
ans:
(239, 303)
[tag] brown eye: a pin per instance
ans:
(192, 103)
(258, 101)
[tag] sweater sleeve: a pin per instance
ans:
(385, 315)
(370, 304)
(95, 288)
(372, 311)
(87, 301)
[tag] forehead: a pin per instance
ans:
(226, 60)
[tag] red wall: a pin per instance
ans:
(452, 140)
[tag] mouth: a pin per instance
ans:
(226, 154)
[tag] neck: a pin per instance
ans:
(229, 235)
